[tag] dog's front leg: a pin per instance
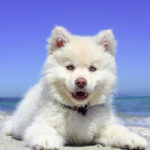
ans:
(118, 136)
(42, 136)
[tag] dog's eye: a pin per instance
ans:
(70, 67)
(92, 68)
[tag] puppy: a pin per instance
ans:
(71, 104)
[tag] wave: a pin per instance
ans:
(128, 120)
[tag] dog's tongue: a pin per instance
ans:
(80, 95)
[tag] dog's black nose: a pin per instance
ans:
(81, 82)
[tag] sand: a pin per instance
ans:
(8, 143)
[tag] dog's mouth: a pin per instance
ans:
(80, 95)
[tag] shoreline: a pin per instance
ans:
(121, 118)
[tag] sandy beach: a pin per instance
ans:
(8, 143)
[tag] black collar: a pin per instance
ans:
(82, 110)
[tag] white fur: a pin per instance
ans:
(41, 119)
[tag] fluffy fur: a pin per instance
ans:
(43, 121)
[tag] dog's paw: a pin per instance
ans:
(134, 142)
(120, 137)
(46, 142)
(7, 128)
(129, 141)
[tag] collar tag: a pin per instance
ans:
(83, 110)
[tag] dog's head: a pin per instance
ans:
(81, 70)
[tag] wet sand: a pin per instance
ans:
(8, 143)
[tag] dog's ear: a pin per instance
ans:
(107, 41)
(58, 39)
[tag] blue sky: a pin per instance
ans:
(25, 25)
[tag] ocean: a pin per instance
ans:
(131, 111)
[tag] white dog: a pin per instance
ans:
(71, 104)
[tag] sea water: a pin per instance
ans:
(132, 111)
